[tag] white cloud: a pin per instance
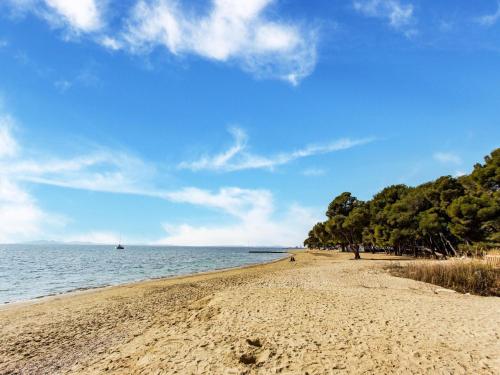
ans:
(235, 32)
(490, 19)
(110, 43)
(8, 145)
(102, 170)
(98, 237)
(80, 15)
(255, 222)
(237, 157)
(86, 77)
(62, 85)
(459, 174)
(447, 158)
(21, 218)
(313, 172)
(235, 201)
(232, 31)
(400, 16)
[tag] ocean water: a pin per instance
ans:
(32, 271)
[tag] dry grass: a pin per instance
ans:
(494, 252)
(462, 275)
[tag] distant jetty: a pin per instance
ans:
(267, 252)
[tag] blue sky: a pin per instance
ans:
(225, 122)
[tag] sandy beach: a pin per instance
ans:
(324, 314)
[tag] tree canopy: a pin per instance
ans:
(444, 216)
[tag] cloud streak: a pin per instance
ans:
(257, 227)
(8, 145)
(234, 32)
(231, 31)
(447, 158)
(80, 15)
(20, 215)
(254, 220)
(400, 16)
(490, 19)
(313, 172)
(76, 16)
(238, 157)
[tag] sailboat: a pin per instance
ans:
(120, 246)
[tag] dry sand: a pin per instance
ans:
(324, 314)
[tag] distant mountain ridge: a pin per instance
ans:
(53, 242)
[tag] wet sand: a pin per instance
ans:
(324, 314)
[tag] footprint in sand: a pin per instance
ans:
(254, 342)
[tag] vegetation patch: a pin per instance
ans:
(462, 275)
(447, 217)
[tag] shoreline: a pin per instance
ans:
(87, 290)
(324, 313)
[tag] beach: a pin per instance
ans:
(323, 314)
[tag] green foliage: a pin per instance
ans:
(487, 175)
(341, 205)
(436, 217)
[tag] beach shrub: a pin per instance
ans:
(462, 275)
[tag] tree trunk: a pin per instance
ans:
(445, 250)
(432, 247)
(356, 252)
(449, 244)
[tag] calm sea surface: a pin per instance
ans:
(31, 271)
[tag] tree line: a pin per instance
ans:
(445, 217)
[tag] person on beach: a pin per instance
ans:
(292, 259)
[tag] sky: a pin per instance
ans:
(228, 122)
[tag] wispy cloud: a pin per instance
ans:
(62, 85)
(20, 215)
(100, 169)
(110, 43)
(314, 172)
(77, 16)
(80, 15)
(99, 237)
(254, 217)
(235, 201)
(490, 19)
(22, 218)
(87, 76)
(400, 16)
(8, 145)
(232, 31)
(238, 157)
(256, 227)
(447, 158)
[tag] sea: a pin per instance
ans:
(33, 271)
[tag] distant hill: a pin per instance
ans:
(52, 242)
